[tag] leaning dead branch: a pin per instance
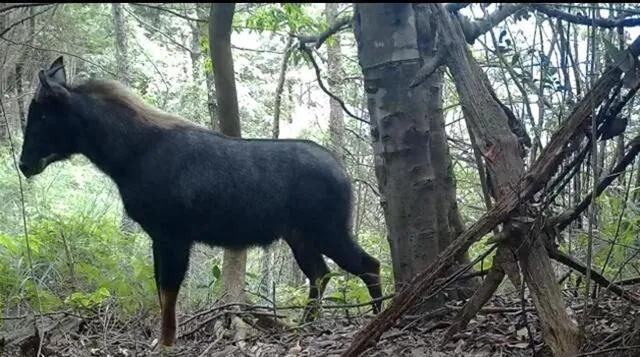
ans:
(563, 220)
(595, 276)
(426, 282)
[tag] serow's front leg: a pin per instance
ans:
(171, 263)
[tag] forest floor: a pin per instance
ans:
(499, 330)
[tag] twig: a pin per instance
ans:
(319, 39)
(26, 231)
(569, 216)
(373, 189)
(164, 9)
(472, 30)
(24, 5)
(152, 28)
(595, 276)
(10, 27)
(583, 20)
(629, 281)
(106, 70)
(306, 50)
(620, 348)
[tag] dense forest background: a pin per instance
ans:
(65, 243)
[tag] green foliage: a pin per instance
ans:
(88, 300)
(279, 16)
(80, 257)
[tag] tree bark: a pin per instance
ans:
(122, 48)
(412, 161)
(400, 133)
(500, 148)
(122, 61)
(334, 65)
(212, 106)
(429, 281)
(220, 19)
(20, 96)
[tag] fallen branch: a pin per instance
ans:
(425, 282)
(629, 281)
(595, 276)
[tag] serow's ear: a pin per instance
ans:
(50, 89)
(57, 71)
(59, 62)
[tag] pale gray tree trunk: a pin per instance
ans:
(334, 63)
(124, 75)
(220, 19)
(412, 161)
(122, 48)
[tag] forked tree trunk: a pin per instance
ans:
(220, 19)
(412, 161)
(489, 126)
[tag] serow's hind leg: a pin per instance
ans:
(350, 257)
(312, 263)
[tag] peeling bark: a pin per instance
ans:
(428, 282)
(501, 150)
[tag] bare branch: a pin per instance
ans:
(567, 217)
(427, 282)
(473, 30)
(307, 51)
(597, 277)
(10, 27)
(106, 70)
(583, 20)
(24, 5)
(319, 39)
(155, 29)
(428, 68)
(453, 7)
(280, 87)
(174, 13)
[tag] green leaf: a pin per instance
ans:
(216, 272)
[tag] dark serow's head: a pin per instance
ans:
(47, 138)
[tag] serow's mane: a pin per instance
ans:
(117, 94)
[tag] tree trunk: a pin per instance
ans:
(212, 106)
(195, 53)
(412, 160)
(488, 123)
(122, 48)
(334, 64)
(267, 252)
(429, 281)
(122, 61)
(20, 96)
(220, 19)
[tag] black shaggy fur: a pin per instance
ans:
(183, 183)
